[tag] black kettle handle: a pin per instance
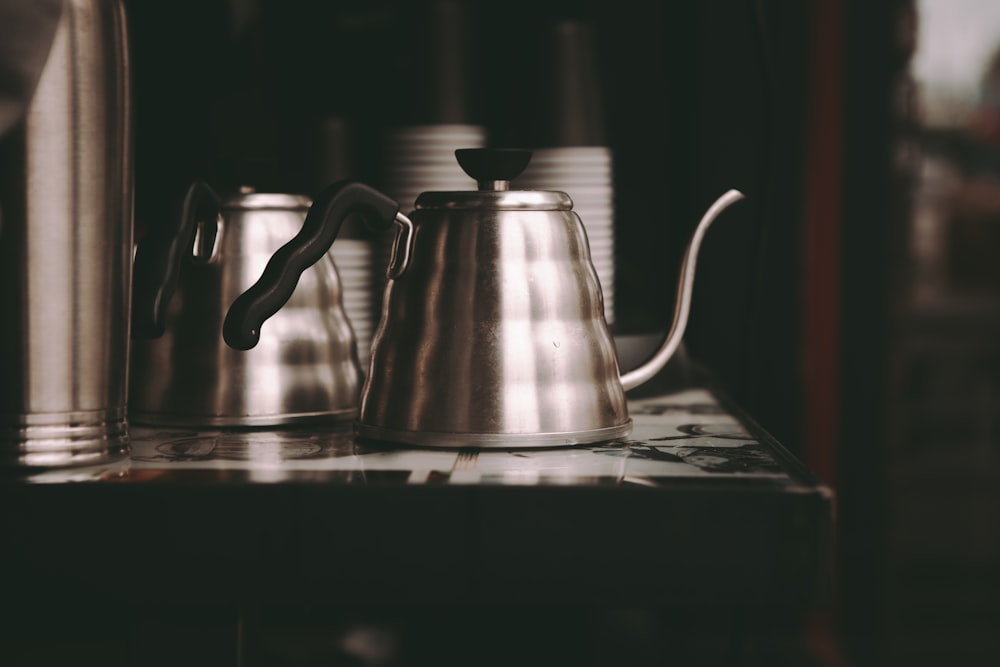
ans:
(264, 298)
(158, 260)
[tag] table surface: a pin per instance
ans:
(698, 506)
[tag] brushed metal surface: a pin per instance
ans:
(494, 332)
(305, 368)
(66, 250)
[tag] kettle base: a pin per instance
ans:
(191, 420)
(492, 440)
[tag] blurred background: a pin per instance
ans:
(851, 304)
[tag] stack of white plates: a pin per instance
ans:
(585, 173)
(353, 258)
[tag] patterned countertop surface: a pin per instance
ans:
(685, 435)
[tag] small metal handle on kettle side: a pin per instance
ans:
(158, 260)
(274, 288)
(400, 257)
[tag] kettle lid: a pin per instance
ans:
(493, 169)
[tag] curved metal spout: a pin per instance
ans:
(682, 308)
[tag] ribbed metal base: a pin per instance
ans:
(56, 440)
(492, 440)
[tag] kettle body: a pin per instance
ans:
(494, 334)
(182, 374)
(66, 250)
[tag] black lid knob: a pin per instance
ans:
(493, 165)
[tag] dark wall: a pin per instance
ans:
(865, 332)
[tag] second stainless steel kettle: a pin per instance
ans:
(187, 274)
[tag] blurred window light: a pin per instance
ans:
(958, 40)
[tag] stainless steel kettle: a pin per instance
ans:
(66, 249)
(492, 331)
(186, 275)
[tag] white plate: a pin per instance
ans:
(576, 152)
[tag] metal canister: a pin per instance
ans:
(66, 250)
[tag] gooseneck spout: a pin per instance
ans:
(682, 307)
